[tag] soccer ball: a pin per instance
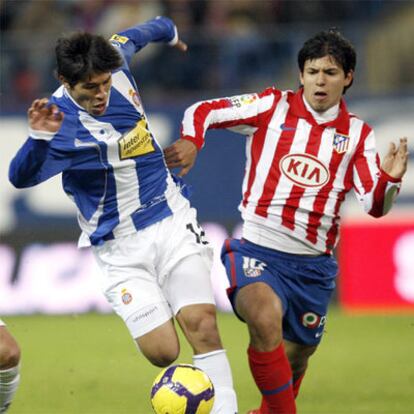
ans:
(182, 389)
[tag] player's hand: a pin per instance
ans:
(182, 154)
(395, 161)
(181, 46)
(43, 117)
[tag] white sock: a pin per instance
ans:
(9, 381)
(216, 365)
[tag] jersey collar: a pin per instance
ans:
(298, 109)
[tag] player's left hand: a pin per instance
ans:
(181, 46)
(182, 154)
(395, 161)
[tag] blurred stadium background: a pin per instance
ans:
(235, 46)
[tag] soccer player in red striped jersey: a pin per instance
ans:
(304, 152)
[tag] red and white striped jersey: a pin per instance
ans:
(297, 171)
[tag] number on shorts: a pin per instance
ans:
(199, 233)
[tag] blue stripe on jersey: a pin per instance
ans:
(112, 168)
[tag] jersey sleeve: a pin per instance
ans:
(41, 157)
(375, 189)
(240, 114)
(133, 39)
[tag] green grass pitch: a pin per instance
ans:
(87, 364)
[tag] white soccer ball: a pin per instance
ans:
(182, 389)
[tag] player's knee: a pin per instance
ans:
(9, 356)
(265, 332)
(259, 306)
(162, 357)
(298, 356)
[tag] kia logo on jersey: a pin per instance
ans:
(304, 170)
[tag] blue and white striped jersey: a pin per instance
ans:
(112, 166)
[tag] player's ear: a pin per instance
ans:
(301, 78)
(64, 82)
(349, 78)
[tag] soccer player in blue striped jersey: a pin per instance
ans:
(9, 367)
(133, 212)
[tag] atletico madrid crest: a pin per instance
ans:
(340, 143)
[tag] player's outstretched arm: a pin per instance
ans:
(45, 118)
(396, 159)
(182, 154)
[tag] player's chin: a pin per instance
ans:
(98, 111)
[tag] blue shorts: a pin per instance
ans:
(304, 284)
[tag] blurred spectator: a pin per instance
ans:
(227, 39)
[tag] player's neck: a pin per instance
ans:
(322, 117)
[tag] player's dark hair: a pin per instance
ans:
(329, 42)
(81, 55)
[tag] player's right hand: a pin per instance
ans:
(44, 117)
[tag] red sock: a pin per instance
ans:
(273, 376)
(296, 385)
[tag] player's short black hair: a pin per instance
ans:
(329, 42)
(81, 54)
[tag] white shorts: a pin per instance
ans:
(2, 323)
(148, 276)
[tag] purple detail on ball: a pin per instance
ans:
(165, 378)
(193, 401)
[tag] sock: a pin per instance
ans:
(296, 385)
(273, 376)
(216, 365)
(9, 381)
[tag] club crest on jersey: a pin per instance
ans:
(241, 100)
(340, 143)
(135, 99)
(304, 170)
(136, 142)
(252, 267)
(126, 296)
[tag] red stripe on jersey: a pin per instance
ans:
(257, 148)
(232, 263)
(296, 193)
(314, 220)
(361, 163)
(332, 233)
(282, 148)
(315, 216)
(201, 113)
(228, 124)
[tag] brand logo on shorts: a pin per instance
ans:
(126, 297)
(253, 267)
(312, 320)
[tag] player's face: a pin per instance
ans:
(323, 82)
(93, 93)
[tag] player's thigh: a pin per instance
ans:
(130, 284)
(189, 291)
(255, 293)
(189, 283)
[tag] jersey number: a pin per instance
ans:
(198, 233)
